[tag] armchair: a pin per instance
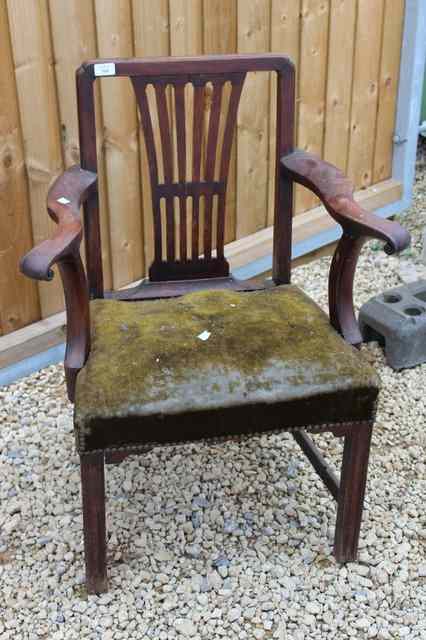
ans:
(139, 371)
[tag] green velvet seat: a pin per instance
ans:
(271, 361)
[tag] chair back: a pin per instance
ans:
(188, 111)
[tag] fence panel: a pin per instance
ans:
(347, 55)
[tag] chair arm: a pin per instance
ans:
(335, 191)
(64, 200)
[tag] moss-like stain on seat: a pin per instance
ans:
(264, 347)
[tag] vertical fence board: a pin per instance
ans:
(32, 52)
(121, 134)
(365, 91)
(312, 86)
(186, 38)
(186, 33)
(151, 28)
(19, 303)
(220, 36)
(388, 87)
(285, 38)
(74, 41)
(339, 81)
(253, 121)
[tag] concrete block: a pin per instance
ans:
(397, 320)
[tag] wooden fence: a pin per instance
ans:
(347, 56)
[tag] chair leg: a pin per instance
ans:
(93, 494)
(351, 493)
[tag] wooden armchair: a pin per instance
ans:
(137, 366)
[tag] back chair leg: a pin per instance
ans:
(351, 493)
(93, 494)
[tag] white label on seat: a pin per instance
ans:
(205, 335)
(104, 69)
(63, 200)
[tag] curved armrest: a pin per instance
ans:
(64, 200)
(335, 191)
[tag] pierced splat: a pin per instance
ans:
(188, 108)
(208, 146)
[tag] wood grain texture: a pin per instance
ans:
(314, 456)
(162, 74)
(121, 135)
(388, 87)
(151, 29)
(339, 81)
(49, 35)
(335, 191)
(32, 339)
(220, 36)
(186, 38)
(35, 80)
(64, 201)
(19, 301)
(74, 40)
(259, 245)
(92, 470)
(285, 38)
(209, 168)
(365, 92)
(353, 479)
(253, 122)
(312, 85)
(186, 34)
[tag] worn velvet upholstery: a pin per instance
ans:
(272, 361)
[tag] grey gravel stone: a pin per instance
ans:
(201, 502)
(234, 614)
(162, 555)
(202, 599)
(196, 519)
(186, 628)
(193, 550)
(221, 561)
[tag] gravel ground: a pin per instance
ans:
(229, 541)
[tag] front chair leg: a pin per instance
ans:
(351, 493)
(93, 494)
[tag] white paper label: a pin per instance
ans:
(63, 200)
(104, 69)
(205, 335)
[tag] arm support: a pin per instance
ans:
(335, 191)
(64, 199)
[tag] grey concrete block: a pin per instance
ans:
(397, 320)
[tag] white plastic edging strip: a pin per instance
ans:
(30, 365)
(413, 57)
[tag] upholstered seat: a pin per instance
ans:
(271, 360)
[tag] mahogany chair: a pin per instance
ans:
(136, 365)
